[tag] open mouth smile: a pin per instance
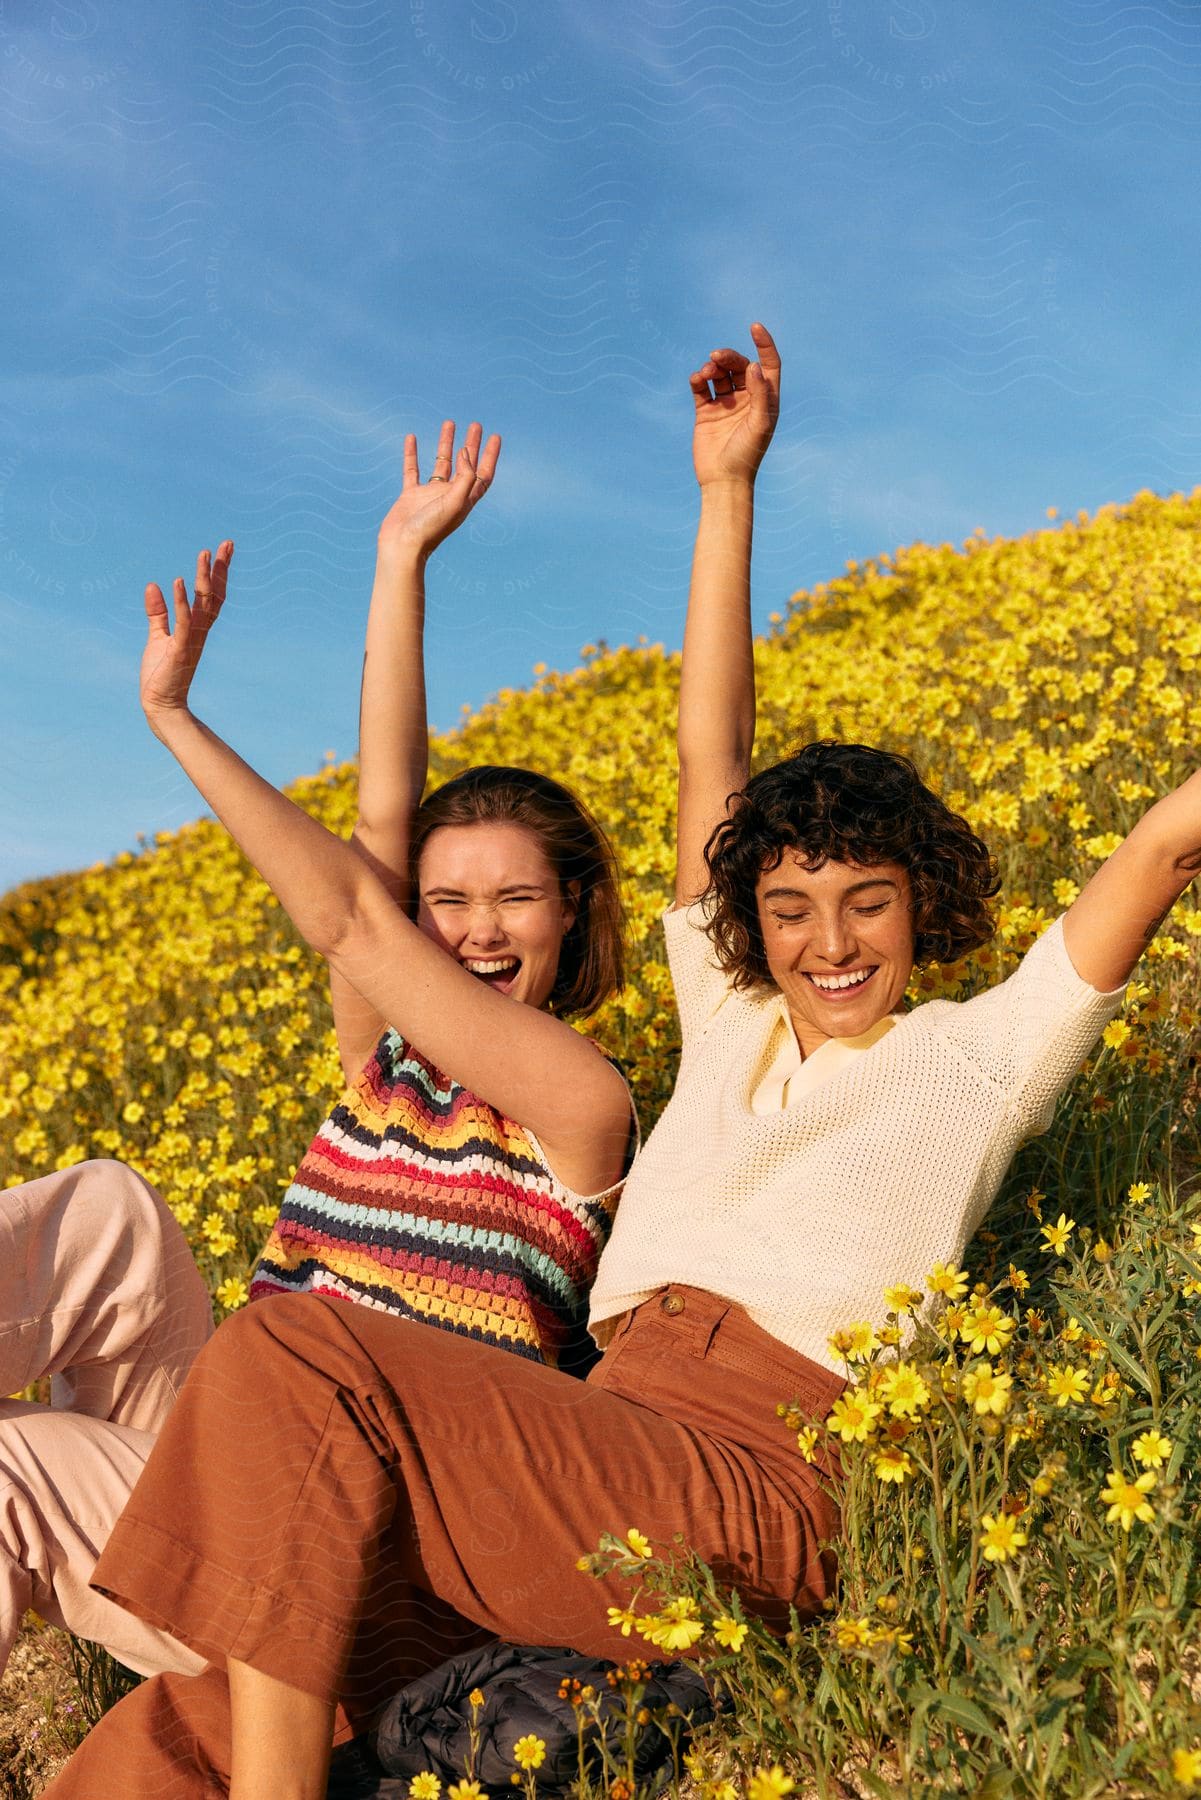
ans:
(498, 971)
(839, 987)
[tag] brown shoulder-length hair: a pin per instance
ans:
(592, 955)
(836, 802)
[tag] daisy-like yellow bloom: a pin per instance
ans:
(622, 1618)
(1067, 1385)
(1019, 1281)
(896, 1636)
(425, 1786)
(853, 1416)
(903, 1391)
(944, 1279)
(529, 1752)
(638, 1544)
(769, 1784)
(1186, 1767)
(232, 1293)
(863, 1340)
(987, 1390)
(902, 1299)
(675, 1634)
(466, 1790)
(1000, 1536)
(677, 1627)
(1138, 1193)
(807, 1439)
(986, 1330)
(891, 1463)
(853, 1634)
(730, 1633)
(1127, 1500)
(1056, 1236)
(1072, 1332)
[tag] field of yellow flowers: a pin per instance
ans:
(1019, 1613)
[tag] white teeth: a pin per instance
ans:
(490, 968)
(841, 981)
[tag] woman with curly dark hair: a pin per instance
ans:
(333, 1491)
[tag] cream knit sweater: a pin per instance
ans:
(803, 1215)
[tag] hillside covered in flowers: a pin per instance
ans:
(160, 1009)
(1020, 1611)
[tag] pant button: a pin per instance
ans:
(672, 1303)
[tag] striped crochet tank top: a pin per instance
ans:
(418, 1197)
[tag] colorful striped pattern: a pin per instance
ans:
(418, 1197)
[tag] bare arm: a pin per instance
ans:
(716, 730)
(393, 737)
(529, 1065)
(1109, 926)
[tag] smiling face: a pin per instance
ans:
(838, 942)
(489, 896)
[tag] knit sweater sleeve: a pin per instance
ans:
(1030, 1034)
(701, 987)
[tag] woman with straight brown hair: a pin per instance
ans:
(477, 1206)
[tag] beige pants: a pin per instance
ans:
(98, 1290)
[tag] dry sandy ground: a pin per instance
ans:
(40, 1722)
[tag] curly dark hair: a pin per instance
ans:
(592, 956)
(848, 803)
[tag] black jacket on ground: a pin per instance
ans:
(426, 1726)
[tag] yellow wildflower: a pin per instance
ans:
(891, 1463)
(902, 1298)
(853, 1634)
(903, 1391)
(853, 1416)
(425, 1786)
(1000, 1537)
(986, 1389)
(1151, 1449)
(1127, 1500)
(947, 1280)
(986, 1329)
(807, 1440)
(1186, 1767)
(730, 1632)
(1057, 1235)
(769, 1784)
(529, 1752)
(638, 1544)
(1066, 1385)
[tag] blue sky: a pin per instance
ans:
(251, 245)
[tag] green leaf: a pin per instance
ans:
(955, 1710)
(1122, 1358)
(998, 1781)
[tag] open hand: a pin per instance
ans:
(426, 512)
(170, 658)
(737, 405)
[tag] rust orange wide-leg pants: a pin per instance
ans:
(343, 1499)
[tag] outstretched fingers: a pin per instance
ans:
(157, 620)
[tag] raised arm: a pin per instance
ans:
(529, 1065)
(737, 403)
(1109, 926)
(393, 739)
